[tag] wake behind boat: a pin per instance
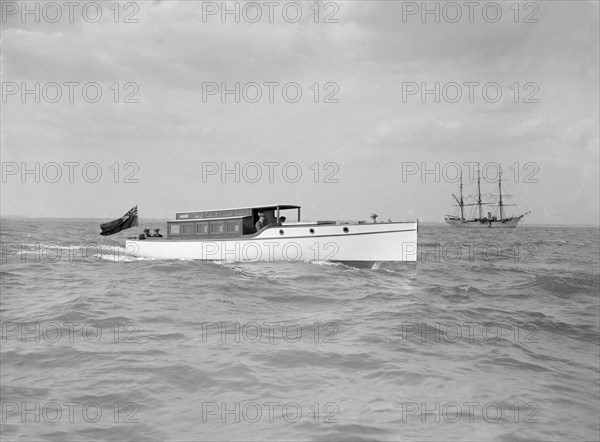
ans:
(496, 216)
(232, 235)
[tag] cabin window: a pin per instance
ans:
(248, 225)
(233, 227)
(202, 228)
(183, 216)
(187, 229)
(173, 229)
(226, 213)
(216, 227)
(243, 212)
(210, 214)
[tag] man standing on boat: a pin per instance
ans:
(261, 221)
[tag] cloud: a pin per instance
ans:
(366, 57)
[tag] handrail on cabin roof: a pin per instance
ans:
(267, 207)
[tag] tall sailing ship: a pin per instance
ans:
(496, 216)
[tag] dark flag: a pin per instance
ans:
(130, 219)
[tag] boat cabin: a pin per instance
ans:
(224, 223)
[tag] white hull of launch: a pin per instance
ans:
(393, 241)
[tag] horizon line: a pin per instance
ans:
(416, 219)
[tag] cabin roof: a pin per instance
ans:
(257, 207)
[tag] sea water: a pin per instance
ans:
(490, 335)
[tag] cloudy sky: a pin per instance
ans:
(340, 107)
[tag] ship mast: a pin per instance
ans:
(479, 193)
(500, 193)
(462, 204)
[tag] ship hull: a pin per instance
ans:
(302, 242)
(472, 224)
